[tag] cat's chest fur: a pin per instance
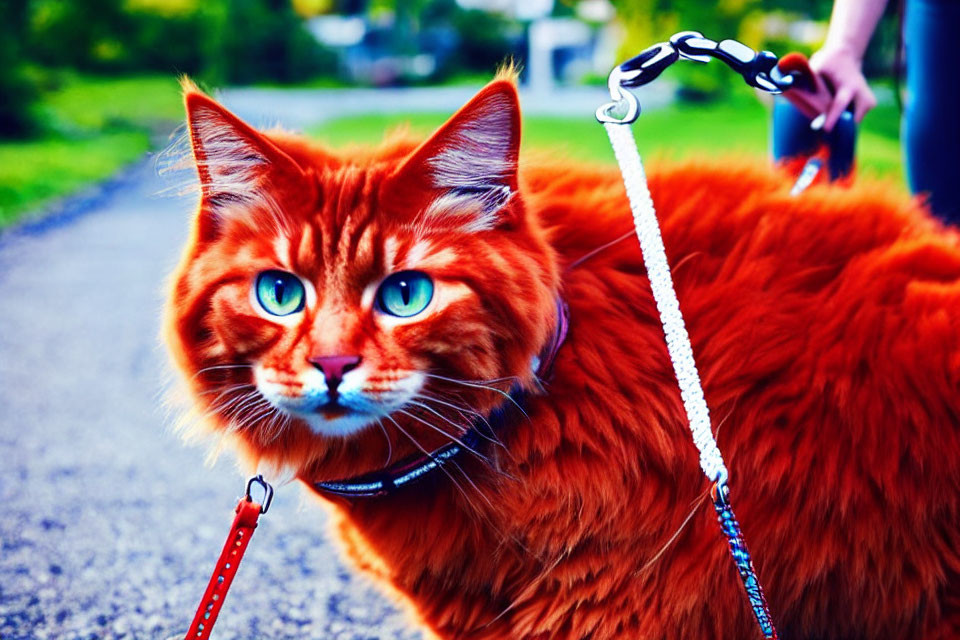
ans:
(808, 318)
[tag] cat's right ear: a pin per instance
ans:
(464, 177)
(241, 172)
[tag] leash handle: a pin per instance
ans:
(245, 521)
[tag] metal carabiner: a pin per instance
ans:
(758, 68)
(622, 110)
(267, 492)
(639, 70)
(647, 65)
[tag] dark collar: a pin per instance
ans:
(385, 481)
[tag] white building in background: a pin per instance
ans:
(338, 31)
(567, 48)
(519, 9)
(595, 47)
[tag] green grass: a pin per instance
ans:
(34, 172)
(95, 126)
(92, 127)
(736, 127)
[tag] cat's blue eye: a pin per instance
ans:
(280, 293)
(405, 294)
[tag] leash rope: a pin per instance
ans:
(759, 70)
(244, 523)
(661, 283)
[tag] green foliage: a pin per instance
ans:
(266, 40)
(85, 105)
(232, 41)
(17, 92)
(486, 40)
(650, 21)
(95, 126)
(35, 171)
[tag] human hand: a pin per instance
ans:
(840, 69)
(809, 93)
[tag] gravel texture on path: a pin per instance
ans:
(110, 525)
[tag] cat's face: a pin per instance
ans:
(337, 310)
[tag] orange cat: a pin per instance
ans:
(339, 314)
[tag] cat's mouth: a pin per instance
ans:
(332, 410)
(341, 409)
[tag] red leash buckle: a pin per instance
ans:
(248, 512)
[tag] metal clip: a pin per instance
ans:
(759, 69)
(623, 110)
(646, 66)
(691, 45)
(267, 492)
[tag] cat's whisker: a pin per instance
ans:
(252, 399)
(530, 588)
(448, 435)
(265, 425)
(386, 437)
(232, 394)
(483, 380)
(278, 423)
(440, 399)
(216, 406)
(473, 484)
(254, 411)
(477, 385)
(489, 435)
(223, 390)
(442, 467)
(274, 427)
(219, 367)
(464, 428)
(666, 545)
(576, 263)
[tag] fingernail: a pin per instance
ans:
(817, 123)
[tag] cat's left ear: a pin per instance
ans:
(465, 175)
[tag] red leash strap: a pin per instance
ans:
(248, 512)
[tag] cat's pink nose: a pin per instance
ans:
(334, 367)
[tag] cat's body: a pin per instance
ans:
(827, 332)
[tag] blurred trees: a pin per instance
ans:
(221, 41)
(247, 41)
(16, 91)
(216, 41)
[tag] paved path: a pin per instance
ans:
(297, 108)
(109, 525)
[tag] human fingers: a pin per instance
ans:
(840, 102)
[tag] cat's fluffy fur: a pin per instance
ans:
(826, 328)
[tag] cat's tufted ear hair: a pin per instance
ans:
(465, 175)
(240, 170)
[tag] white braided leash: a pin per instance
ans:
(658, 270)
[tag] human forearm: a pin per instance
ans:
(852, 24)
